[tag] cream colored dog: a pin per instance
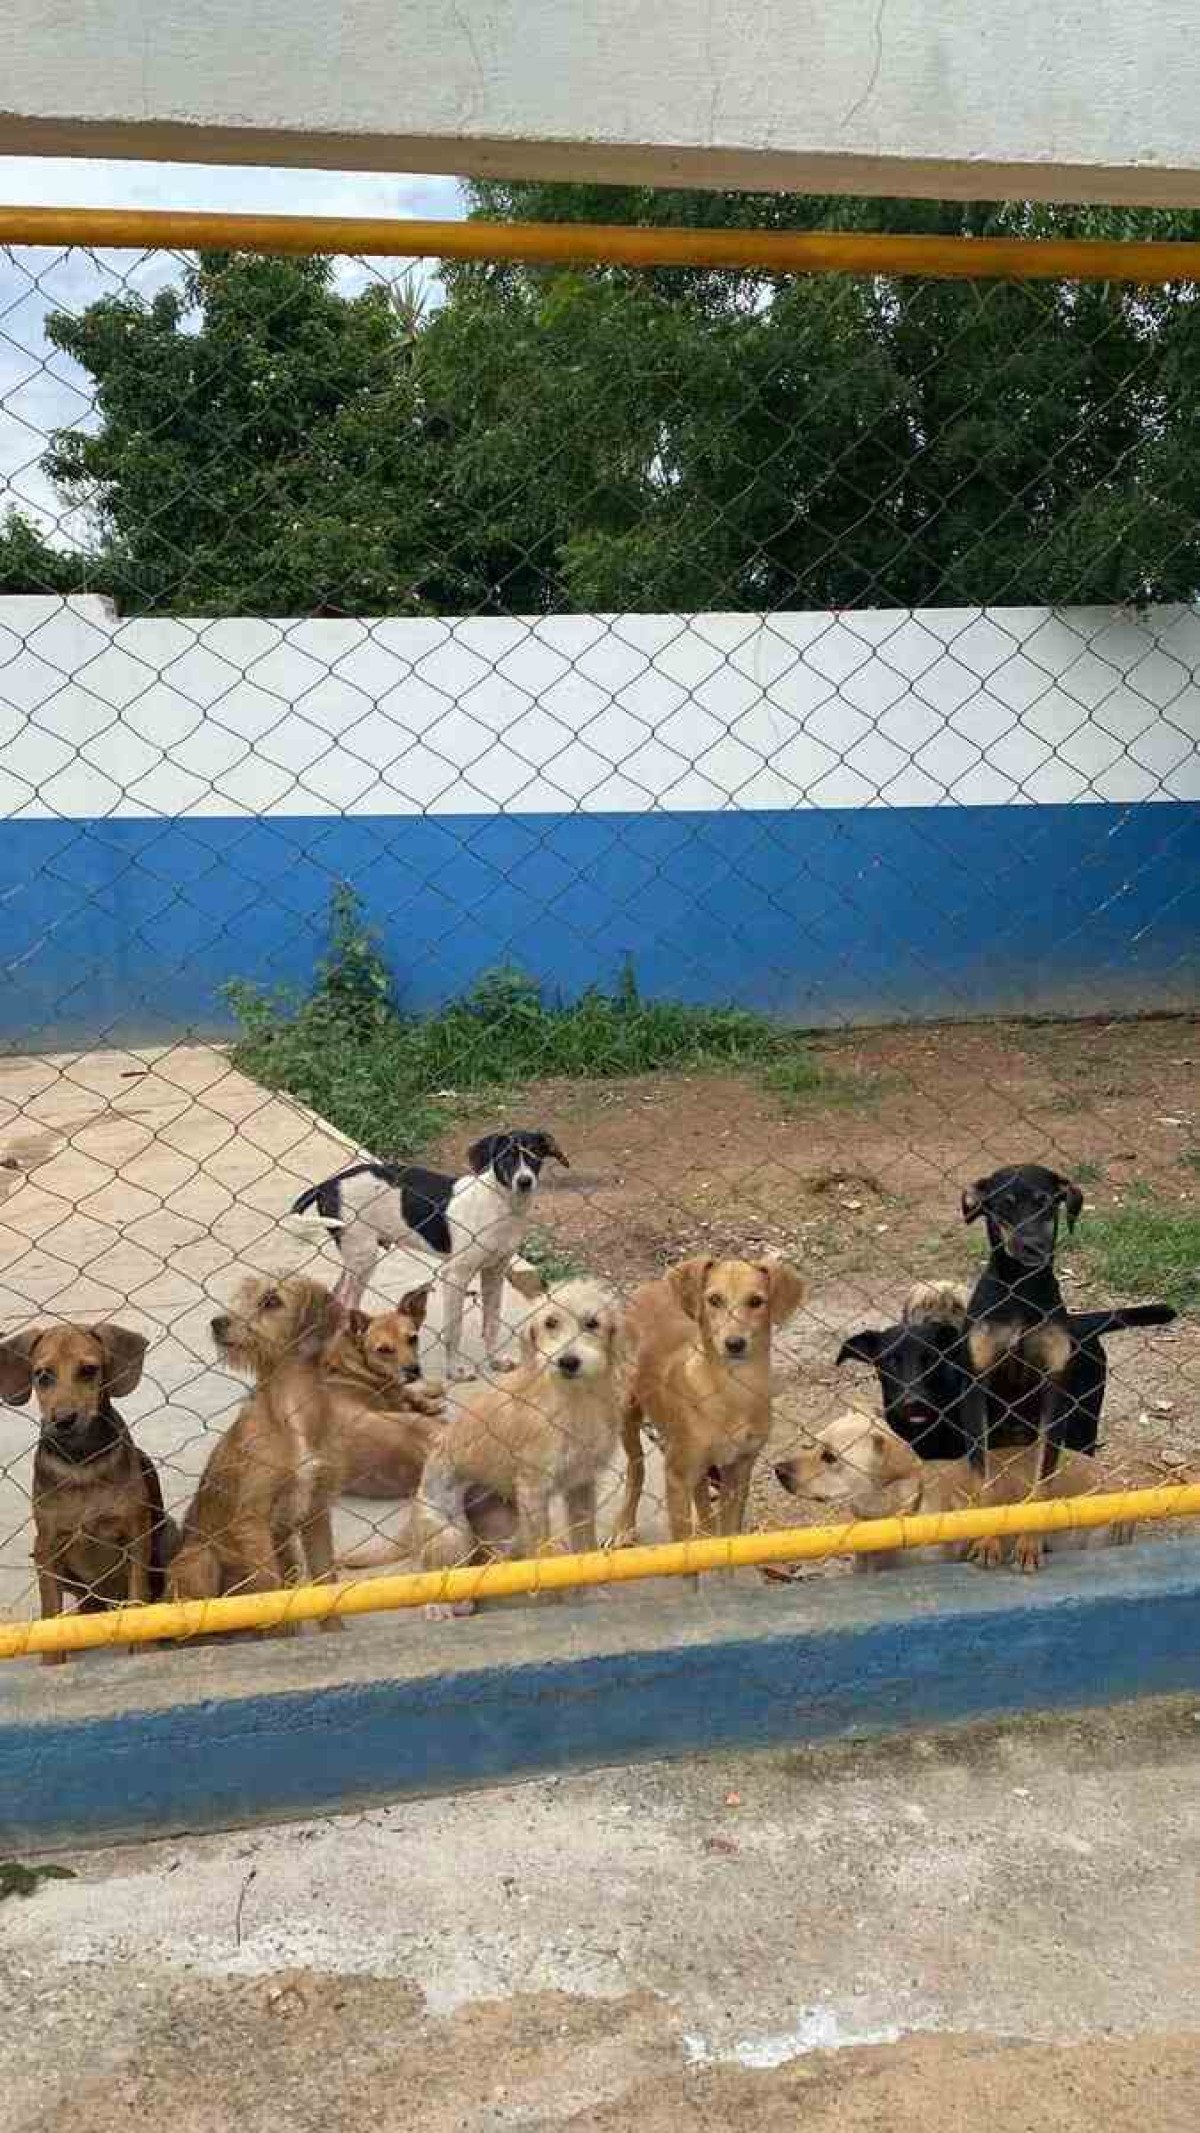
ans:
(546, 1431)
(861, 1467)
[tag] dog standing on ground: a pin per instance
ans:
(701, 1384)
(1018, 1332)
(101, 1535)
(473, 1224)
(264, 1499)
(862, 1468)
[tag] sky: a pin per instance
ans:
(40, 389)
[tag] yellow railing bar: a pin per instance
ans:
(566, 1573)
(613, 244)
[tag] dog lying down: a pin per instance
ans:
(859, 1467)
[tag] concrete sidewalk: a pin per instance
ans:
(997, 1923)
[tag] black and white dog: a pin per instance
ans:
(473, 1225)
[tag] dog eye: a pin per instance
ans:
(754, 1303)
(272, 1302)
(387, 1353)
(552, 1324)
(591, 1325)
(88, 1371)
(43, 1379)
(715, 1301)
(828, 1457)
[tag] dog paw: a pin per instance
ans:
(1029, 1551)
(447, 1610)
(986, 1554)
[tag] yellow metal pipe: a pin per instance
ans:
(565, 1573)
(611, 244)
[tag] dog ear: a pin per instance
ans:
(415, 1303)
(355, 1322)
(124, 1355)
(867, 1345)
(526, 1280)
(974, 1199)
(317, 1320)
(482, 1153)
(1072, 1200)
(786, 1287)
(893, 1458)
(16, 1366)
(687, 1282)
(545, 1145)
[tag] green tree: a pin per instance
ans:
(260, 443)
(549, 439)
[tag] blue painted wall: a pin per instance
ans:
(127, 928)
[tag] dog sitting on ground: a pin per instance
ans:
(925, 1375)
(546, 1431)
(263, 1505)
(384, 1415)
(472, 1224)
(701, 1384)
(101, 1535)
(863, 1469)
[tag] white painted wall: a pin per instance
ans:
(592, 713)
(1088, 99)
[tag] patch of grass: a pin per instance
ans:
(388, 1078)
(16, 1879)
(800, 1079)
(1086, 1172)
(1146, 1248)
(554, 1260)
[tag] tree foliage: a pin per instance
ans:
(547, 439)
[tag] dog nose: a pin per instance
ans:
(220, 1328)
(412, 1372)
(735, 1344)
(524, 1184)
(569, 1365)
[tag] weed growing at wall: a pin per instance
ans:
(389, 1079)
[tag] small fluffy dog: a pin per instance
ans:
(264, 1498)
(473, 1224)
(546, 1431)
(384, 1415)
(101, 1536)
(866, 1470)
(701, 1384)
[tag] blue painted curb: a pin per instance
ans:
(243, 1734)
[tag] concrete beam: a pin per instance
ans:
(1090, 100)
(218, 1736)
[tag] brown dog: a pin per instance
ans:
(385, 1417)
(265, 1496)
(101, 1535)
(701, 1383)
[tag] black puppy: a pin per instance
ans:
(474, 1224)
(925, 1374)
(1018, 1335)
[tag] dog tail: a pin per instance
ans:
(1085, 1325)
(317, 1206)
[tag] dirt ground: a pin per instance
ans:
(859, 1182)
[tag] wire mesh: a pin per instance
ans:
(735, 734)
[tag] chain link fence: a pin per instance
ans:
(735, 734)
